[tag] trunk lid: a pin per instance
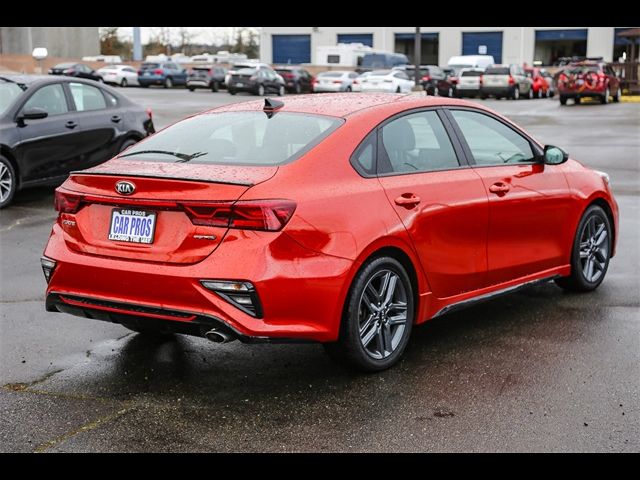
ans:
(172, 198)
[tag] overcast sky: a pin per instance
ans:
(215, 35)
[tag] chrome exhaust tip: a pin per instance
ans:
(218, 336)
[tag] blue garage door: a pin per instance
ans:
(291, 48)
(623, 40)
(580, 34)
(483, 43)
(364, 38)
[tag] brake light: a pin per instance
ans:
(150, 113)
(512, 81)
(480, 80)
(157, 71)
(337, 81)
(265, 215)
(355, 82)
(426, 78)
(139, 72)
(66, 202)
(453, 80)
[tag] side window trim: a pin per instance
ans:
(64, 90)
(537, 151)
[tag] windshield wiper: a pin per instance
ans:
(184, 157)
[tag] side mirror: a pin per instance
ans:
(34, 113)
(554, 155)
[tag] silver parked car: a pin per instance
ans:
(334, 81)
(506, 81)
(469, 82)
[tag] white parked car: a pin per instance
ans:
(122, 75)
(334, 81)
(357, 83)
(393, 81)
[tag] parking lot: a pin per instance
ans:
(540, 370)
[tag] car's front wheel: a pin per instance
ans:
(8, 182)
(123, 83)
(590, 253)
(378, 317)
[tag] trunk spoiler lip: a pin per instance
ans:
(160, 177)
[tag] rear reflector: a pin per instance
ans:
(66, 202)
(48, 266)
(240, 294)
(266, 215)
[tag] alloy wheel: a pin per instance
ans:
(382, 314)
(594, 249)
(6, 183)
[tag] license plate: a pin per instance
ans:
(239, 84)
(146, 74)
(133, 226)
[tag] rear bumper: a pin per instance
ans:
(502, 91)
(301, 291)
(198, 83)
(468, 92)
(581, 93)
(151, 80)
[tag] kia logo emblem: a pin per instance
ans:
(124, 187)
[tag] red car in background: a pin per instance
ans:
(588, 79)
(344, 219)
(540, 86)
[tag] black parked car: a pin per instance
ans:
(78, 70)
(206, 76)
(296, 79)
(50, 126)
(256, 81)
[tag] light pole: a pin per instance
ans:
(416, 60)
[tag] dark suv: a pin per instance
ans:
(296, 79)
(206, 76)
(166, 74)
(588, 79)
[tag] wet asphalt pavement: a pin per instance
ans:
(541, 370)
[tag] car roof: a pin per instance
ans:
(345, 104)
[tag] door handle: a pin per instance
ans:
(499, 187)
(71, 124)
(116, 118)
(407, 200)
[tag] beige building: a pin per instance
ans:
(506, 44)
(74, 42)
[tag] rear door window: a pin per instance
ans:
(87, 97)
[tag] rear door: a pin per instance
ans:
(529, 203)
(49, 147)
(439, 199)
(100, 121)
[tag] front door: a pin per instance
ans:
(441, 202)
(49, 147)
(529, 205)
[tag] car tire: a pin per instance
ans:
(191, 89)
(576, 100)
(8, 182)
(231, 91)
(563, 100)
(436, 92)
(126, 144)
(398, 90)
(260, 90)
(605, 98)
(168, 82)
(591, 252)
(123, 83)
(281, 91)
(515, 94)
(298, 88)
(370, 341)
(215, 86)
(616, 97)
(540, 93)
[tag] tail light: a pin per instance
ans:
(139, 72)
(355, 82)
(512, 81)
(69, 71)
(157, 71)
(264, 215)
(337, 81)
(426, 78)
(453, 80)
(66, 202)
(150, 113)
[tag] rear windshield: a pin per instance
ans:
(9, 92)
(246, 71)
(331, 74)
(497, 71)
(64, 65)
(471, 74)
(236, 138)
(150, 65)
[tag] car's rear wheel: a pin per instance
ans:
(450, 92)
(281, 91)
(298, 88)
(168, 83)
(605, 98)
(215, 86)
(398, 89)
(563, 100)
(616, 97)
(576, 100)
(231, 91)
(540, 93)
(123, 82)
(8, 182)
(378, 317)
(260, 91)
(515, 94)
(590, 253)
(530, 94)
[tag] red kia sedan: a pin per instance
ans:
(345, 219)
